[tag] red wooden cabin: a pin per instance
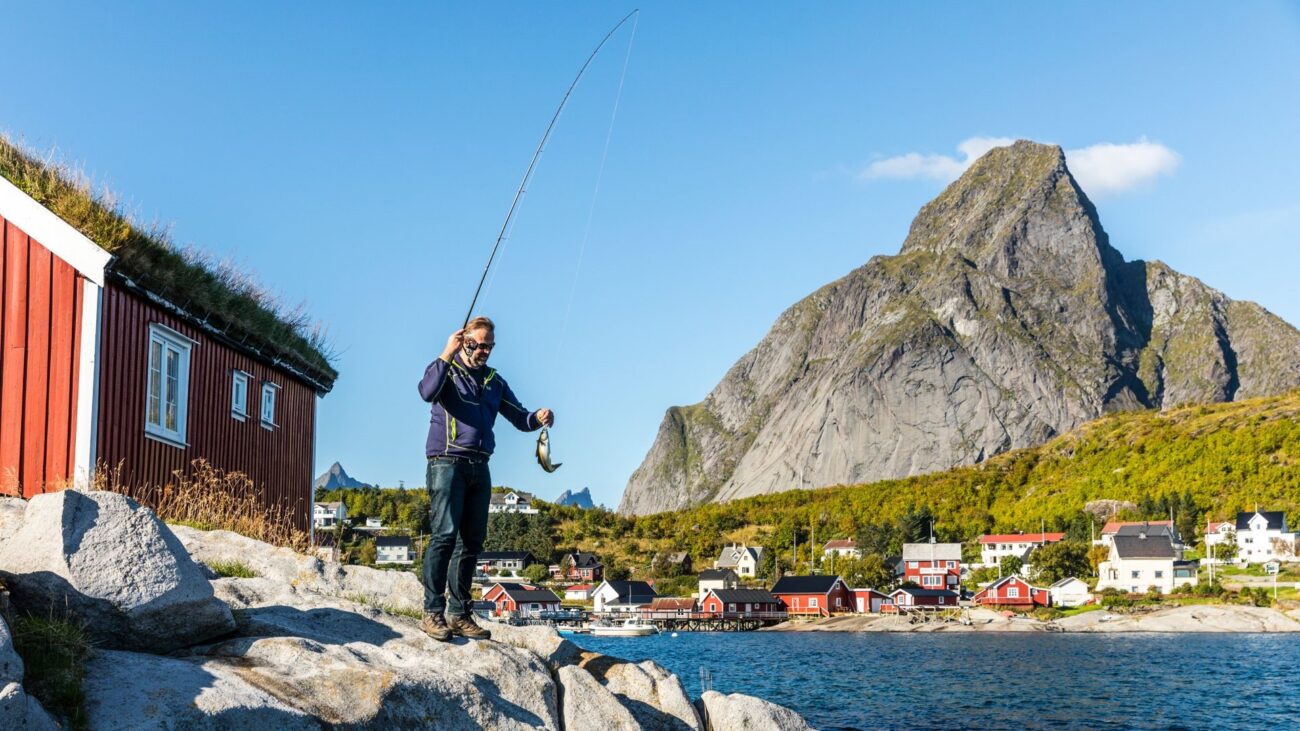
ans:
(742, 603)
(813, 595)
(868, 601)
(1013, 591)
(101, 365)
(912, 597)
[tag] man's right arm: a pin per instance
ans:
(435, 376)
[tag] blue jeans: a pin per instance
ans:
(459, 494)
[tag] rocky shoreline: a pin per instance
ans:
(301, 644)
(1189, 619)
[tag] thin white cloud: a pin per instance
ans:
(1101, 169)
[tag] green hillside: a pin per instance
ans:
(1200, 462)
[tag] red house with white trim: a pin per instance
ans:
(912, 597)
(742, 603)
(139, 359)
(1013, 591)
(813, 595)
(521, 600)
(932, 565)
(868, 601)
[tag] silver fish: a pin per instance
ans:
(544, 451)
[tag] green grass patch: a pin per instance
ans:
(54, 653)
(232, 569)
(385, 608)
(1072, 611)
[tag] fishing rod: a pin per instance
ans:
(519, 194)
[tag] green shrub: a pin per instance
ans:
(54, 653)
(236, 569)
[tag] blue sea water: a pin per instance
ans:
(994, 680)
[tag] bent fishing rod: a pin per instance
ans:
(528, 174)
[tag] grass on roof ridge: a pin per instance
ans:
(230, 299)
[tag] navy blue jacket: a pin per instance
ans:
(465, 406)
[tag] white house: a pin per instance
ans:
(622, 596)
(327, 515)
(1070, 592)
(394, 549)
(717, 579)
(843, 547)
(1262, 536)
(578, 592)
(513, 501)
(1218, 534)
(1134, 527)
(742, 559)
(1138, 563)
(995, 547)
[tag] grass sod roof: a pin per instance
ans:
(219, 299)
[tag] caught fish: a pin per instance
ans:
(544, 451)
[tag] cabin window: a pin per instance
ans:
(167, 395)
(269, 391)
(1160, 574)
(239, 394)
(952, 564)
(731, 607)
(1013, 592)
(812, 603)
(1135, 574)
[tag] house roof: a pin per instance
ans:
(579, 587)
(1151, 529)
(931, 551)
(1213, 527)
(632, 592)
(499, 498)
(1068, 580)
(819, 584)
(1276, 519)
(1153, 546)
(678, 557)
(840, 544)
(503, 555)
(532, 595)
(717, 575)
(584, 560)
(869, 591)
(511, 586)
(393, 542)
(1112, 527)
(1022, 538)
(223, 303)
(917, 591)
(731, 555)
(672, 603)
(329, 506)
(1009, 580)
(740, 596)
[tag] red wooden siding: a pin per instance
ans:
(40, 327)
(278, 461)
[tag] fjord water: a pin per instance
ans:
(993, 681)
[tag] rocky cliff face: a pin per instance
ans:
(1006, 318)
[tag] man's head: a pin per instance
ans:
(480, 339)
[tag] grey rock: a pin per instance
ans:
(11, 516)
(735, 712)
(589, 705)
(1006, 319)
(21, 712)
(106, 560)
(655, 696)
(11, 665)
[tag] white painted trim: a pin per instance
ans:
(183, 345)
(53, 232)
(92, 298)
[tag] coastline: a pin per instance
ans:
(1185, 619)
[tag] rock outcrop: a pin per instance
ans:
(111, 564)
(315, 645)
(738, 711)
(1007, 318)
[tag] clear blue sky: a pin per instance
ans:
(361, 157)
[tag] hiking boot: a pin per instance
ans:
(436, 627)
(465, 627)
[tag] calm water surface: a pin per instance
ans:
(994, 681)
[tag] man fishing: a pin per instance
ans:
(466, 397)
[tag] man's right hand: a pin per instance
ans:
(455, 342)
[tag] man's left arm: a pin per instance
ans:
(523, 419)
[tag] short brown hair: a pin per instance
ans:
(481, 322)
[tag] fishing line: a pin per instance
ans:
(595, 193)
(519, 194)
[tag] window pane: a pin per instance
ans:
(173, 386)
(155, 381)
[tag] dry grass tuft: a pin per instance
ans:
(213, 499)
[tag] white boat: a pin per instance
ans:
(628, 628)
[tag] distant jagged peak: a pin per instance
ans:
(336, 477)
(581, 499)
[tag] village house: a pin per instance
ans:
(669, 607)
(680, 561)
(394, 549)
(1013, 591)
(504, 562)
(1135, 527)
(868, 600)
(324, 516)
(813, 595)
(522, 601)
(578, 592)
(1137, 563)
(842, 547)
(995, 547)
(622, 596)
(372, 525)
(744, 560)
(742, 603)
(495, 590)
(932, 565)
(717, 579)
(512, 501)
(911, 597)
(1071, 592)
(578, 566)
(1261, 536)
(120, 352)
(1216, 535)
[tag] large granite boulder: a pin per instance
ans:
(586, 703)
(21, 712)
(655, 696)
(112, 564)
(737, 711)
(11, 516)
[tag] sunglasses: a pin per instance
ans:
(473, 345)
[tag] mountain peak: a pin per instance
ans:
(336, 477)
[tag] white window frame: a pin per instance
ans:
(271, 389)
(238, 406)
(812, 602)
(1013, 592)
(167, 338)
